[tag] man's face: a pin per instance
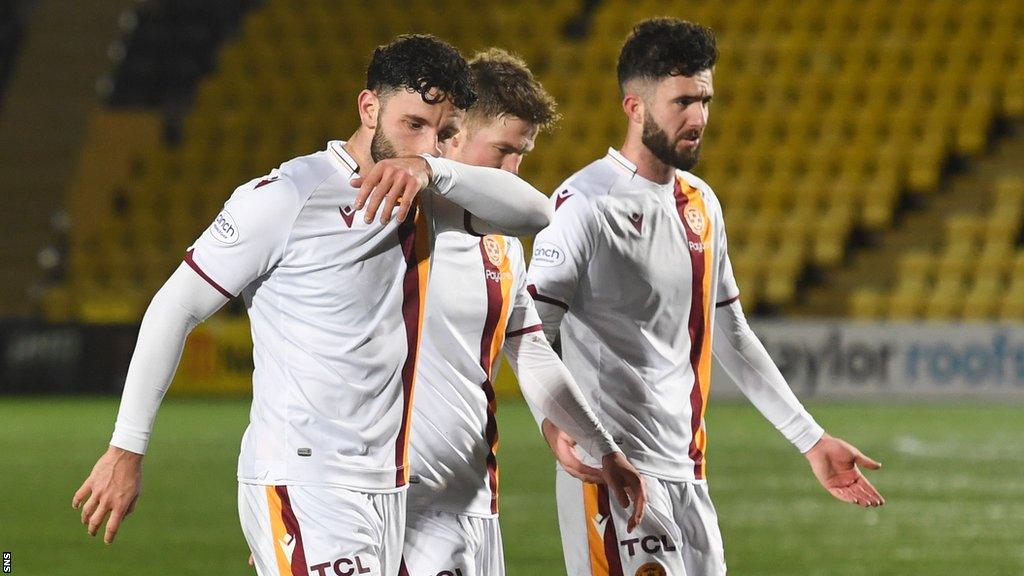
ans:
(500, 142)
(675, 114)
(407, 126)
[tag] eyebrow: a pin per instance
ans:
(415, 118)
(701, 96)
(520, 149)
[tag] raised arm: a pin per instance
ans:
(499, 202)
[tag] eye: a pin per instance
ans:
(415, 125)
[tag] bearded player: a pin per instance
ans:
(478, 307)
(335, 299)
(634, 273)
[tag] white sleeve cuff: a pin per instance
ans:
(802, 431)
(442, 176)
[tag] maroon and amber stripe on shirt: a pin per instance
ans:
(697, 224)
(414, 238)
(285, 528)
(601, 539)
(498, 280)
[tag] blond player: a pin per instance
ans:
(634, 272)
(478, 307)
(335, 300)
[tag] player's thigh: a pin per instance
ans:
(490, 558)
(702, 547)
(320, 531)
(594, 537)
(445, 544)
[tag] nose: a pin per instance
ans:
(511, 163)
(698, 117)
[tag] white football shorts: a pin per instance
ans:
(321, 530)
(678, 536)
(445, 544)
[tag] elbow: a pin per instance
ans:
(540, 217)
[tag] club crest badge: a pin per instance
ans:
(695, 218)
(495, 250)
(651, 569)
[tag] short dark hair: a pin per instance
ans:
(506, 86)
(421, 63)
(660, 47)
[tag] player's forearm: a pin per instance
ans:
(504, 202)
(552, 394)
(747, 362)
(184, 301)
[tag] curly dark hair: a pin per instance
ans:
(422, 63)
(660, 47)
(507, 87)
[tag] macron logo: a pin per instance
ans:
(347, 214)
(288, 545)
(637, 220)
(599, 521)
(266, 181)
(562, 197)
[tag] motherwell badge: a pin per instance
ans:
(651, 569)
(695, 218)
(495, 250)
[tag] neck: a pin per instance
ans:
(358, 146)
(647, 165)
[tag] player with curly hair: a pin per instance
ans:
(336, 300)
(634, 273)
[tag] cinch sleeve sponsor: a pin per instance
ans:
(247, 239)
(561, 251)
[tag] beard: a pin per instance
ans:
(656, 140)
(381, 147)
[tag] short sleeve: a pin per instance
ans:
(561, 251)
(728, 291)
(523, 318)
(248, 238)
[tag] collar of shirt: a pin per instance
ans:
(623, 164)
(344, 161)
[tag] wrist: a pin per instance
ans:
(122, 453)
(819, 443)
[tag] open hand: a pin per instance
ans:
(390, 182)
(834, 462)
(112, 488)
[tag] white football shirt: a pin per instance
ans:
(476, 297)
(639, 267)
(335, 306)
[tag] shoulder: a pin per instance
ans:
(306, 174)
(586, 190)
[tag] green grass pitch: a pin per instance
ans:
(954, 478)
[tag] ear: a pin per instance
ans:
(369, 107)
(633, 106)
